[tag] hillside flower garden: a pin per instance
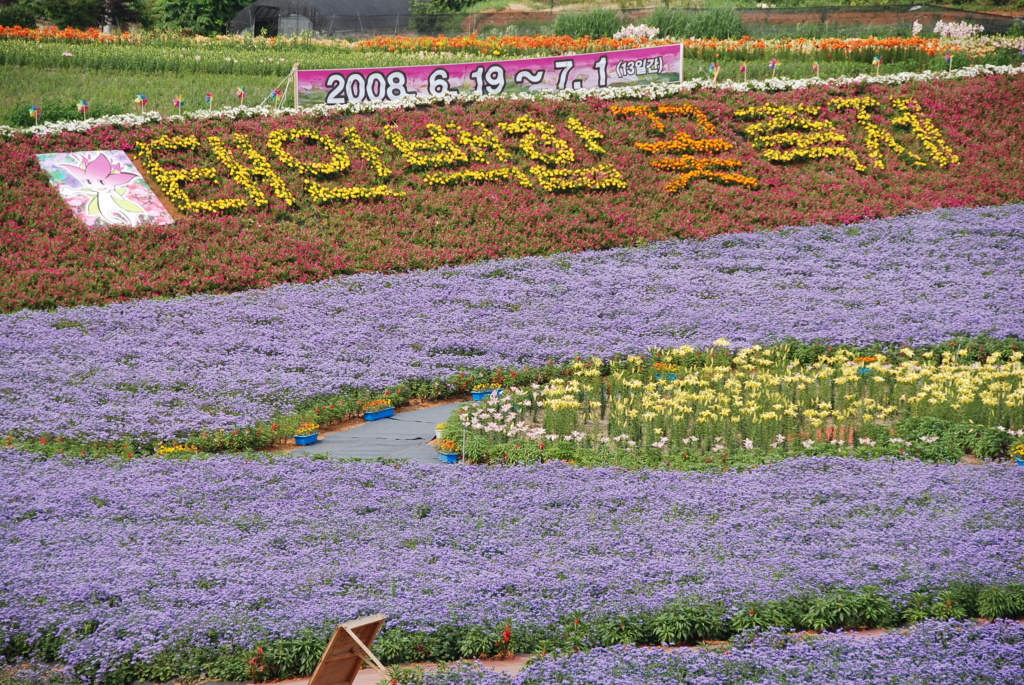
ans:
(300, 197)
(752, 357)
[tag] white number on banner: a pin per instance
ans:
(490, 82)
(396, 85)
(437, 84)
(337, 85)
(373, 87)
(376, 87)
(355, 89)
(564, 67)
(600, 66)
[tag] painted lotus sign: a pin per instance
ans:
(638, 67)
(103, 188)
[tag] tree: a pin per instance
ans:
(206, 17)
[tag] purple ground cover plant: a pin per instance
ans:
(935, 653)
(158, 370)
(126, 561)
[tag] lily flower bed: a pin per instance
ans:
(220, 371)
(155, 569)
(721, 410)
(304, 196)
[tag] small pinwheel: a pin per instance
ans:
(178, 102)
(816, 68)
(33, 111)
(83, 107)
(275, 97)
(877, 61)
(142, 100)
(773, 65)
(240, 92)
(209, 98)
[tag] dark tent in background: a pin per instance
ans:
(327, 18)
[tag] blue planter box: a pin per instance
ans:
(382, 414)
(448, 457)
(306, 439)
(1020, 462)
(671, 376)
(864, 371)
(484, 394)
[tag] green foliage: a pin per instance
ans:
(954, 603)
(79, 14)
(57, 110)
(684, 23)
(1001, 601)
(294, 657)
(688, 622)
(600, 23)
(928, 439)
(847, 608)
(22, 14)
(761, 615)
(205, 17)
(436, 17)
(955, 438)
(476, 642)
(621, 629)
(407, 675)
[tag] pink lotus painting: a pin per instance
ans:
(103, 188)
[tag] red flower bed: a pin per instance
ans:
(503, 178)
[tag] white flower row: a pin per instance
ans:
(647, 92)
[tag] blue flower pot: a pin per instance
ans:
(671, 376)
(448, 457)
(864, 371)
(484, 394)
(382, 414)
(306, 439)
(1019, 460)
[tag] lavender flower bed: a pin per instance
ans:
(164, 369)
(156, 554)
(934, 653)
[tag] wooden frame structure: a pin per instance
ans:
(346, 651)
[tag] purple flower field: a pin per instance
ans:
(165, 369)
(933, 653)
(162, 553)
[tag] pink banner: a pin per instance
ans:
(103, 188)
(571, 72)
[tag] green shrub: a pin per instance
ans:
(956, 438)
(681, 23)
(22, 14)
(435, 17)
(597, 23)
(79, 14)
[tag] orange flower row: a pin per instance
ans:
(532, 44)
(54, 33)
(473, 43)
